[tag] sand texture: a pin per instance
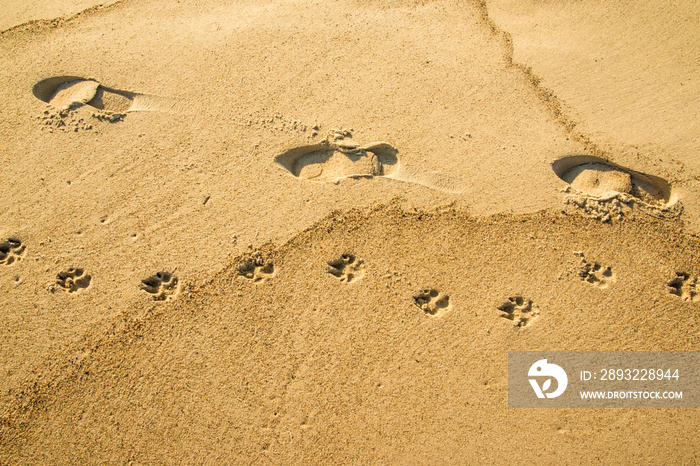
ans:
(288, 231)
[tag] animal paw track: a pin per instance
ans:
(256, 268)
(432, 302)
(11, 251)
(520, 310)
(163, 286)
(594, 273)
(347, 268)
(684, 286)
(73, 280)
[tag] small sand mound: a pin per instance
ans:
(599, 179)
(593, 176)
(69, 93)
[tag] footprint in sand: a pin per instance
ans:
(256, 268)
(601, 180)
(347, 268)
(684, 286)
(594, 273)
(328, 161)
(73, 280)
(65, 92)
(432, 302)
(163, 286)
(11, 251)
(518, 309)
(332, 161)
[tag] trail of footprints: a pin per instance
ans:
(347, 268)
(598, 186)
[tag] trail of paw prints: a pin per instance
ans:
(163, 286)
(347, 268)
(594, 273)
(73, 280)
(519, 310)
(432, 302)
(256, 268)
(11, 251)
(684, 286)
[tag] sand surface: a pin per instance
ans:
(216, 219)
(625, 73)
(16, 13)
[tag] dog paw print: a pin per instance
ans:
(684, 286)
(256, 268)
(162, 286)
(347, 268)
(432, 302)
(73, 280)
(519, 310)
(594, 273)
(11, 251)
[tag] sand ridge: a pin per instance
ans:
(54, 12)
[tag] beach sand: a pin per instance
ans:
(217, 219)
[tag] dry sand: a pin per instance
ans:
(177, 178)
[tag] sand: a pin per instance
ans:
(282, 232)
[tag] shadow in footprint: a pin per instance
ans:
(684, 286)
(331, 162)
(63, 92)
(518, 309)
(432, 302)
(347, 268)
(73, 280)
(596, 177)
(594, 273)
(11, 251)
(256, 268)
(162, 286)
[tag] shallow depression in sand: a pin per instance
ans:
(330, 162)
(596, 177)
(64, 91)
